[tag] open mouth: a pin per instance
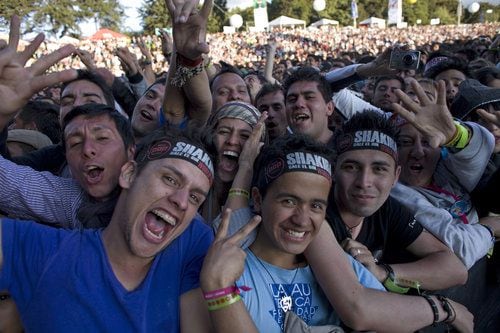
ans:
(300, 117)
(416, 167)
(229, 160)
(146, 115)
(94, 174)
(296, 234)
(158, 224)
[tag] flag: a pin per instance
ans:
(354, 9)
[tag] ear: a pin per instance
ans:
(329, 108)
(398, 172)
(131, 152)
(257, 199)
(127, 174)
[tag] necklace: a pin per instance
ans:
(350, 229)
(285, 301)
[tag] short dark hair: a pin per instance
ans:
(486, 74)
(226, 69)
(97, 80)
(450, 63)
(191, 134)
(280, 147)
(311, 75)
(93, 110)
(390, 77)
(268, 88)
(46, 117)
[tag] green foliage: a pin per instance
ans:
(154, 15)
(219, 16)
(301, 9)
(61, 17)
(445, 16)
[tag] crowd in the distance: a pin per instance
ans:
(294, 181)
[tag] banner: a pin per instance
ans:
(354, 9)
(395, 13)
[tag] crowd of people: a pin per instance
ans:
(289, 181)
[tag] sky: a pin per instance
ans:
(133, 23)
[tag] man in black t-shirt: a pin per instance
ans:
(375, 229)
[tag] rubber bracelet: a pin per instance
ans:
(223, 302)
(434, 307)
(455, 138)
(239, 192)
(220, 293)
(390, 282)
(464, 137)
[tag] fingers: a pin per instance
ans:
(31, 49)
(489, 117)
(404, 113)
(14, 32)
(419, 91)
(441, 93)
(246, 230)
(182, 12)
(224, 226)
(206, 8)
(40, 82)
(45, 62)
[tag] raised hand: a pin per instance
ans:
(181, 9)
(18, 83)
(225, 260)
(86, 58)
(128, 61)
(493, 117)
(252, 146)
(378, 67)
(190, 34)
(432, 119)
(144, 49)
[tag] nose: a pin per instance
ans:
(300, 102)
(300, 216)
(89, 149)
(417, 151)
(180, 198)
(364, 178)
(232, 139)
(234, 96)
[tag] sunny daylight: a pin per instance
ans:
(253, 166)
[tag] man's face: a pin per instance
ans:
(292, 212)
(429, 90)
(385, 94)
(363, 180)
(229, 87)
(307, 112)
(230, 136)
(78, 93)
(95, 153)
(274, 104)
(368, 90)
(452, 78)
(160, 202)
(417, 158)
(147, 110)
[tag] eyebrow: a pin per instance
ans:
(179, 174)
(94, 129)
(282, 195)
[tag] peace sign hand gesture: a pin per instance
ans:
(225, 260)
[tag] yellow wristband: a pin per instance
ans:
(223, 302)
(238, 192)
(461, 137)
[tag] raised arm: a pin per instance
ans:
(19, 83)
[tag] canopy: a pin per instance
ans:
(324, 21)
(373, 22)
(285, 21)
(107, 34)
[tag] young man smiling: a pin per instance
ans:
(146, 259)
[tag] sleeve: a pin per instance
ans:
(343, 77)
(200, 239)
(468, 164)
(470, 242)
(26, 248)
(138, 85)
(349, 104)
(3, 143)
(365, 277)
(49, 158)
(239, 218)
(29, 194)
(403, 227)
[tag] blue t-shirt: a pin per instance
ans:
(275, 289)
(62, 281)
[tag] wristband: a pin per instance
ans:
(434, 307)
(223, 302)
(234, 192)
(461, 137)
(186, 62)
(450, 312)
(400, 286)
(225, 291)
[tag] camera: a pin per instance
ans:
(404, 59)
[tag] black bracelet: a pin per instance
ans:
(450, 312)
(434, 307)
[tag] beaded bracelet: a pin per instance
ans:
(434, 307)
(223, 302)
(450, 312)
(186, 69)
(234, 192)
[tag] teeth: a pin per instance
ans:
(300, 117)
(92, 167)
(231, 153)
(296, 234)
(159, 236)
(165, 217)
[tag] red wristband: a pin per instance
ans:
(186, 62)
(224, 291)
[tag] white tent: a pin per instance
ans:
(373, 22)
(285, 21)
(324, 21)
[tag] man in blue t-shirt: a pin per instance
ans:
(136, 274)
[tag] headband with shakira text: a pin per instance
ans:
(367, 139)
(165, 148)
(292, 162)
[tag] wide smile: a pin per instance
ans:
(295, 235)
(228, 161)
(146, 115)
(300, 117)
(158, 225)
